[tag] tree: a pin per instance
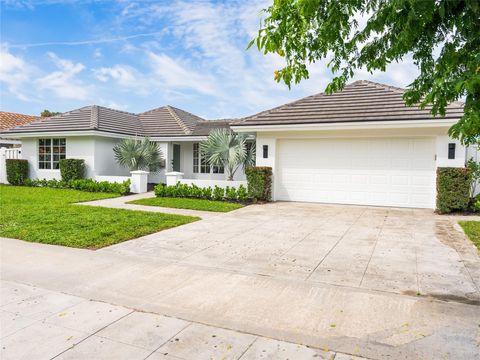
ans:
(48, 113)
(136, 154)
(441, 36)
(228, 149)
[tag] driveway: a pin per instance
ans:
(395, 250)
(373, 282)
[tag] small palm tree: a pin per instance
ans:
(136, 154)
(228, 149)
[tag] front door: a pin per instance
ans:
(176, 157)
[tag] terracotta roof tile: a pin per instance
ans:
(10, 120)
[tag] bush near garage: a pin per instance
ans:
(259, 179)
(17, 171)
(72, 169)
(453, 189)
(208, 193)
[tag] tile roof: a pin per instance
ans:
(10, 120)
(359, 101)
(163, 121)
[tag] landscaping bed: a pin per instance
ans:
(472, 229)
(188, 203)
(47, 215)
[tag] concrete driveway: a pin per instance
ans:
(373, 282)
(395, 250)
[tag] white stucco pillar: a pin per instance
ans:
(139, 181)
(173, 177)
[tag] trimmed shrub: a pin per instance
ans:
(231, 193)
(17, 171)
(218, 193)
(476, 204)
(453, 189)
(259, 181)
(193, 191)
(72, 169)
(88, 185)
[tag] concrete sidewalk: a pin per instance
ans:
(42, 324)
(361, 322)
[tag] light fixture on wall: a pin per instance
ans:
(265, 151)
(451, 151)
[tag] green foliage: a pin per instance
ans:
(474, 167)
(135, 154)
(472, 229)
(193, 191)
(49, 216)
(228, 149)
(88, 185)
(72, 169)
(441, 36)
(17, 171)
(242, 193)
(231, 193)
(48, 113)
(259, 181)
(186, 203)
(453, 189)
(476, 204)
(218, 193)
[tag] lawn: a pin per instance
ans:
(47, 216)
(472, 229)
(186, 203)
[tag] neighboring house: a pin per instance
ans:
(10, 120)
(358, 146)
(91, 132)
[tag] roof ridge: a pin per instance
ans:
(188, 112)
(94, 117)
(116, 110)
(178, 120)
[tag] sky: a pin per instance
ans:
(138, 55)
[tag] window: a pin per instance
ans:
(50, 152)
(201, 165)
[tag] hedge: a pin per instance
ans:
(88, 185)
(259, 181)
(453, 189)
(17, 171)
(72, 169)
(193, 191)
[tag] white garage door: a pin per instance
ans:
(367, 171)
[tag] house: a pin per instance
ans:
(359, 146)
(10, 120)
(91, 132)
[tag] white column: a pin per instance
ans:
(173, 177)
(139, 181)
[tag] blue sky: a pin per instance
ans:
(138, 55)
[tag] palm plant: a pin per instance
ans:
(228, 149)
(136, 154)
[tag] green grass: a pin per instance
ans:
(472, 229)
(186, 203)
(47, 216)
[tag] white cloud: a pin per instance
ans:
(64, 82)
(14, 72)
(124, 75)
(172, 74)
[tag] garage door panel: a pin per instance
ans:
(390, 172)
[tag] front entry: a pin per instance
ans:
(176, 157)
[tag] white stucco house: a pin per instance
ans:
(358, 146)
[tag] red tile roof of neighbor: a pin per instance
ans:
(10, 120)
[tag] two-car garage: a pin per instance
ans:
(365, 171)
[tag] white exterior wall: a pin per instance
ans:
(159, 177)
(81, 147)
(442, 152)
(105, 163)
